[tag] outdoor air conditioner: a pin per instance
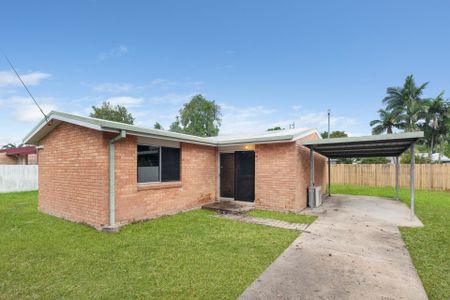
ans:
(315, 196)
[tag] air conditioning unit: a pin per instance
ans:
(314, 196)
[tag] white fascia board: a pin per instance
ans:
(179, 140)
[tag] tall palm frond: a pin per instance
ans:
(408, 100)
(389, 119)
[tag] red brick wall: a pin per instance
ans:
(303, 166)
(7, 159)
(282, 175)
(73, 178)
(73, 175)
(275, 176)
(198, 183)
(32, 159)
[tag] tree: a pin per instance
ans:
(406, 159)
(9, 146)
(436, 127)
(175, 126)
(199, 117)
(389, 119)
(275, 128)
(346, 161)
(13, 145)
(374, 160)
(117, 113)
(334, 134)
(408, 101)
(157, 125)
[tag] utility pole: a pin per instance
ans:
(329, 160)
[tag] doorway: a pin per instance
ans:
(237, 175)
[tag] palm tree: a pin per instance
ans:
(389, 119)
(407, 99)
(435, 126)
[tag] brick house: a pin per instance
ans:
(19, 156)
(107, 174)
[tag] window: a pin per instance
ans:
(158, 164)
(170, 161)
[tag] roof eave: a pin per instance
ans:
(39, 131)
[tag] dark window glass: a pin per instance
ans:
(148, 163)
(170, 161)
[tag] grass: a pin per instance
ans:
(429, 246)
(188, 255)
(287, 217)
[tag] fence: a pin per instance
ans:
(427, 176)
(18, 178)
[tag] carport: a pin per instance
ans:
(388, 145)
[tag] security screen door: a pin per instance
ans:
(237, 175)
(244, 164)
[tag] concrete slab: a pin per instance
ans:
(230, 206)
(264, 221)
(352, 251)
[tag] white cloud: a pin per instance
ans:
(172, 98)
(4, 140)
(244, 119)
(125, 100)
(163, 83)
(30, 112)
(24, 110)
(112, 87)
(259, 118)
(191, 82)
(19, 100)
(320, 120)
(114, 52)
(296, 107)
(8, 78)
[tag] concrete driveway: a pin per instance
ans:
(352, 251)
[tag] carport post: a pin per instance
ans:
(311, 167)
(411, 181)
(397, 171)
(329, 177)
(311, 178)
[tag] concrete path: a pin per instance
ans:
(264, 221)
(352, 251)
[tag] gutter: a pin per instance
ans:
(112, 185)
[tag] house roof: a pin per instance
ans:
(365, 146)
(19, 151)
(55, 118)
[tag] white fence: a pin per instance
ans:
(18, 178)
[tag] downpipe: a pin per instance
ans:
(112, 176)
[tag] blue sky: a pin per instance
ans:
(267, 63)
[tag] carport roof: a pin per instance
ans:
(365, 146)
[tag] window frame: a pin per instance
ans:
(160, 164)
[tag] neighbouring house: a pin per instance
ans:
(107, 174)
(435, 157)
(19, 156)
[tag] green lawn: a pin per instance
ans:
(288, 217)
(429, 246)
(189, 255)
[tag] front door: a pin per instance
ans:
(244, 167)
(227, 175)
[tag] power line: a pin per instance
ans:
(24, 85)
